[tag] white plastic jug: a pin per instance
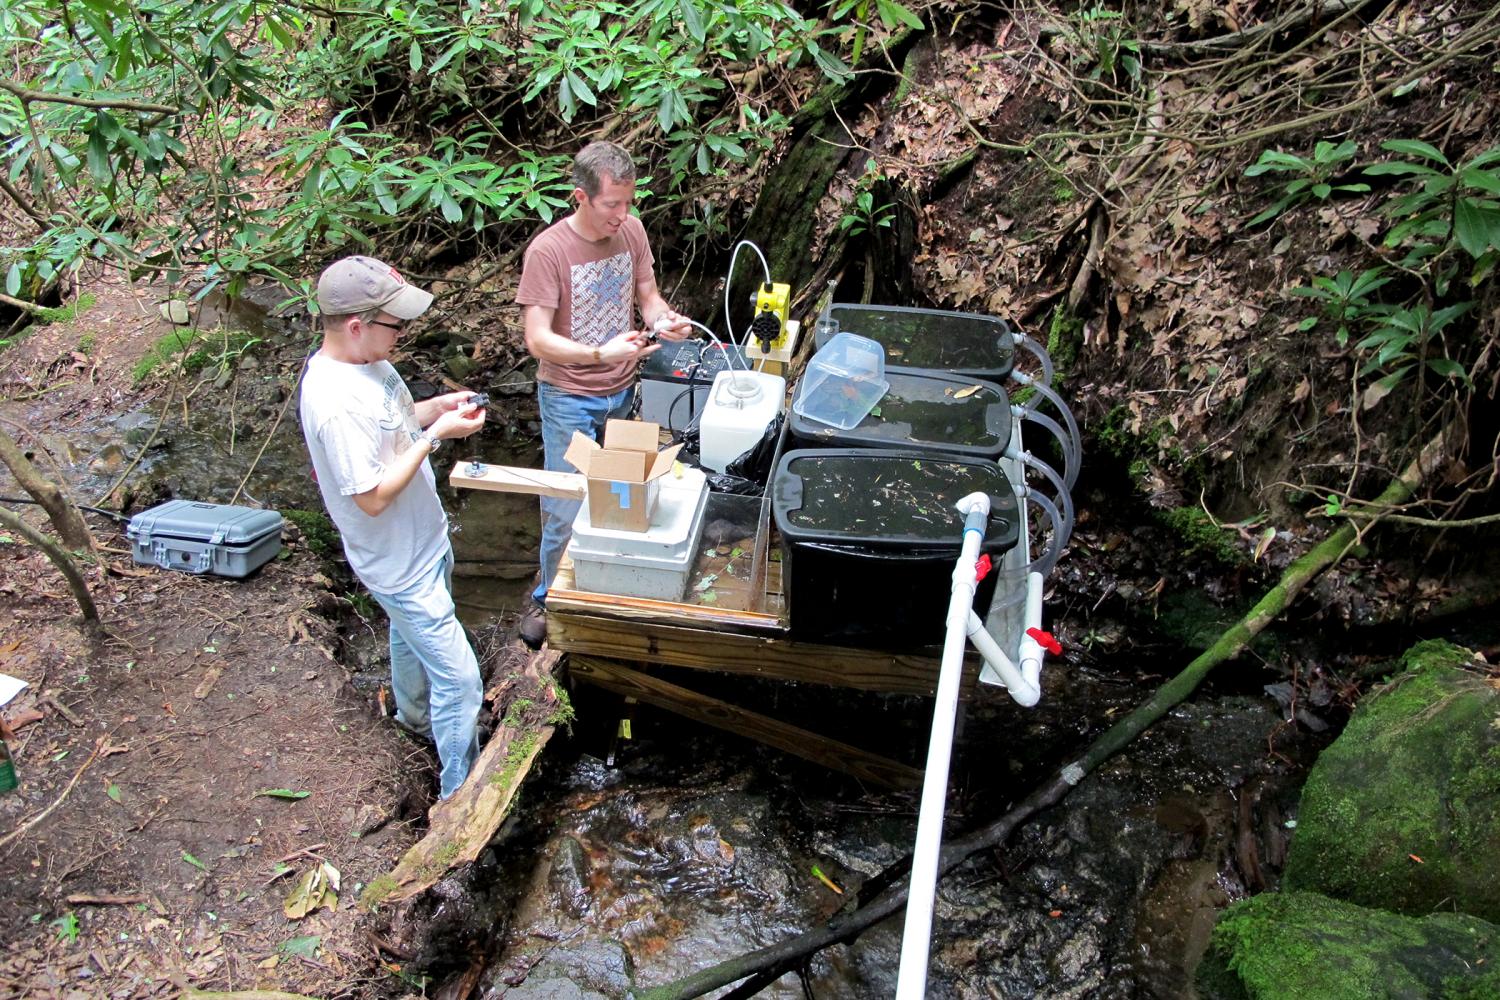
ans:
(740, 406)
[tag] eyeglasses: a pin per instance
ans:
(398, 327)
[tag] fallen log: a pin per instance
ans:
(530, 705)
(887, 890)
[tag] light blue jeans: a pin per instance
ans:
(562, 414)
(434, 673)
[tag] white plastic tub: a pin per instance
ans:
(740, 407)
(654, 563)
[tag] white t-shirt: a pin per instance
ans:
(357, 419)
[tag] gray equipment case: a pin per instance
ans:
(199, 537)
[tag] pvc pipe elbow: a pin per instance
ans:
(976, 501)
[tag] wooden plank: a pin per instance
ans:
(737, 653)
(512, 479)
(670, 612)
(764, 729)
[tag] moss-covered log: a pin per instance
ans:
(530, 705)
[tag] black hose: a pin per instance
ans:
(92, 510)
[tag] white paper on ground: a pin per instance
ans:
(10, 687)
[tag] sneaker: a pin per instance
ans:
(532, 628)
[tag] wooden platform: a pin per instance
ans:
(627, 644)
(615, 642)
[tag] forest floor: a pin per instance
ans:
(181, 774)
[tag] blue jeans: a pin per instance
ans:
(562, 414)
(434, 673)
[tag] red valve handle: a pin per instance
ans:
(982, 567)
(1046, 641)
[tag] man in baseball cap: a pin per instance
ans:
(359, 284)
(370, 446)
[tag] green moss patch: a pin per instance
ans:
(1303, 946)
(1402, 812)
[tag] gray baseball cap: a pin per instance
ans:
(358, 284)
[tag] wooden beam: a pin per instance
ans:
(512, 479)
(762, 728)
(755, 655)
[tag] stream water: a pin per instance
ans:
(646, 847)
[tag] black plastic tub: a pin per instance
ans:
(933, 411)
(968, 344)
(868, 539)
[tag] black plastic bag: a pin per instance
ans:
(755, 464)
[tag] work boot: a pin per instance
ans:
(532, 628)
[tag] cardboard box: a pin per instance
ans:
(623, 474)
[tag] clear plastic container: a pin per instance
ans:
(843, 382)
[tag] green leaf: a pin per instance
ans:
(1483, 180)
(281, 793)
(301, 947)
(1397, 169)
(1415, 147)
(893, 14)
(692, 19)
(13, 279)
(194, 861)
(414, 56)
(1484, 159)
(98, 158)
(1448, 368)
(581, 89)
(113, 791)
(1476, 227)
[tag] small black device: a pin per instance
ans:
(479, 399)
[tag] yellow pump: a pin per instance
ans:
(769, 324)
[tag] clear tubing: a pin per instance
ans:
(1043, 564)
(728, 358)
(1039, 352)
(1069, 448)
(729, 278)
(1064, 499)
(1044, 392)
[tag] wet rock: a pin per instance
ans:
(1301, 944)
(1362, 829)
(460, 366)
(568, 879)
(109, 460)
(584, 970)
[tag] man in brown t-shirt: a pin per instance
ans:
(582, 281)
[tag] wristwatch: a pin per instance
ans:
(433, 442)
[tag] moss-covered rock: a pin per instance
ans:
(1402, 812)
(1303, 946)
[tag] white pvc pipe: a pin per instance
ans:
(1023, 681)
(916, 940)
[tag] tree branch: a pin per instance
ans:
(27, 96)
(62, 561)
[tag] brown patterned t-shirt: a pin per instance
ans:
(591, 286)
